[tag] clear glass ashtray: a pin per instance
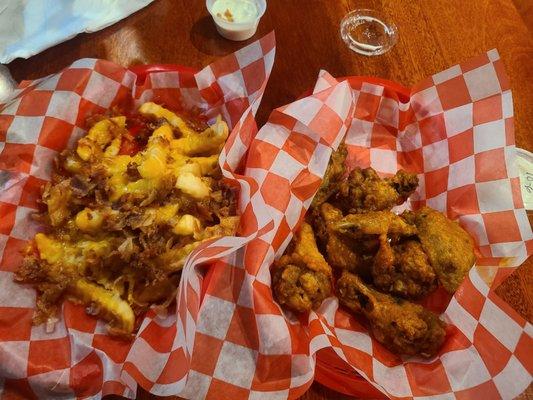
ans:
(367, 32)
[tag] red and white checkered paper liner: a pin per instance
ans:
(44, 116)
(456, 132)
(230, 340)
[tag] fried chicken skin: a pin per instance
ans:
(302, 279)
(401, 326)
(334, 172)
(403, 269)
(374, 223)
(365, 191)
(449, 247)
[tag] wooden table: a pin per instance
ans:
(434, 34)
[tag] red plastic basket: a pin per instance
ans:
(331, 371)
(143, 70)
(391, 89)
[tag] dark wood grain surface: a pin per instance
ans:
(525, 9)
(434, 34)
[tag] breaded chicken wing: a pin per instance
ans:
(302, 278)
(403, 269)
(374, 223)
(405, 183)
(334, 172)
(401, 326)
(449, 247)
(339, 251)
(365, 191)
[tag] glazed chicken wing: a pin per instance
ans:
(403, 269)
(401, 326)
(302, 278)
(364, 191)
(450, 249)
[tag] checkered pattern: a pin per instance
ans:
(245, 347)
(227, 337)
(241, 345)
(456, 132)
(79, 359)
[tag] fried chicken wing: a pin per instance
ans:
(297, 287)
(339, 250)
(334, 172)
(380, 255)
(405, 183)
(449, 247)
(302, 279)
(305, 247)
(365, 191)
(340, 254)
(373, 223)
(403, 269)
(401, 326)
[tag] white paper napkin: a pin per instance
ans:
(28, 27)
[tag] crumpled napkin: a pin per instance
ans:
(28, 27)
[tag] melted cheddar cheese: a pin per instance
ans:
(121, 226)
(163, 157)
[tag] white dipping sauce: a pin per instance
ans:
(237, 11)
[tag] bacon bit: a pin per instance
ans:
(129, 146)
(135, 130)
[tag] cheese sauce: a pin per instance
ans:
(237, 11)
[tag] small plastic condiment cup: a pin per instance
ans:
(237, 31)
(368, 32)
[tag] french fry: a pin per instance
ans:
(156, 111)
(108, 304)
(120, 226)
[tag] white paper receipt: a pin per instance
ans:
(524, 162)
